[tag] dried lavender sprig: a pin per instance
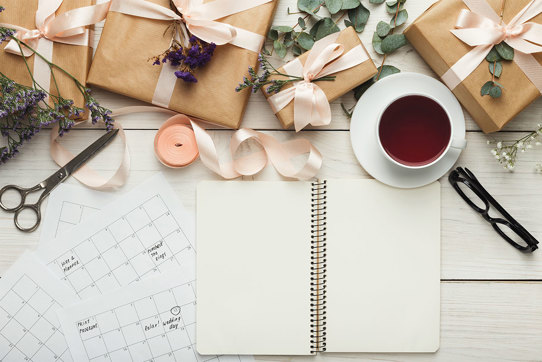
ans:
(256, 82)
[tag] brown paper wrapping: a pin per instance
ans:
(345, 81)
(74, 59)
(121, 65)
(430, 35)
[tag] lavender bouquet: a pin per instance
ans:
(24, 112)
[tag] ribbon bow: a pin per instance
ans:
(311, 105)
(482, 28)
(68, 28)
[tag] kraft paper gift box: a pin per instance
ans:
(75, 59)
(121, 65)
(345, 80)
(430, 35)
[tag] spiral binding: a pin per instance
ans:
(318, 266)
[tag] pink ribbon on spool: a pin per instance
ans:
(68, 28)
(178, 147)
(481, 28)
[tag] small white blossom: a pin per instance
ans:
(494, 152)
(499, 145)
(538, 143)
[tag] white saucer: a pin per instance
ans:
(363, 132)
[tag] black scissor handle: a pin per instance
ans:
(36, 209)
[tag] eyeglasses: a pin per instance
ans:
(464, 181)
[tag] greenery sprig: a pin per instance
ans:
(257, 82)
(300, 40)
(506, 152)
(385, 42)
(24, 112)
(499, 53)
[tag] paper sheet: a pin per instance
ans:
(30, 296)
(146, 231)
(67, 206)
(150, 320)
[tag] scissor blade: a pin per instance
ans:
(89, 152)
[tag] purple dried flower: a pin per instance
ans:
(186, 76)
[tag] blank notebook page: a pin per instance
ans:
(253, 267)
(383, 267)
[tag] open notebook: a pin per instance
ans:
(295, 268)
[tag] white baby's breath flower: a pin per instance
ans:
(529, 146)
(494, 152)
(510, 166)
(538, 143)
(499, 145)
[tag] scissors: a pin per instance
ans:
(51, 182)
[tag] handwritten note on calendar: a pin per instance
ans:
(152, 320)
(144, 232)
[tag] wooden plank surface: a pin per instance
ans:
(491, 294)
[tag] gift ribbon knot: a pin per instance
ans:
(310, 102)
(68, 28)
(481, 28)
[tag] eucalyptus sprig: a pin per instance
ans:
(506, 152)
(24, 111)
(257, 82)
(499, 54)
(385, 42)
(287, 38)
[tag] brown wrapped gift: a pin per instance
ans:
(430, 35)
(72, 58)
(345, 80)
(122, 65)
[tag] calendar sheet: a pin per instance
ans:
(67, 206)
(141, 233)
(30, 296)
(152, 320)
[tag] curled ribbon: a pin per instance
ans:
(201, 19)
(68, 28)
(482, 28)
(279, 154)
(310, 102)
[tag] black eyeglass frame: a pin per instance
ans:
(466, 177)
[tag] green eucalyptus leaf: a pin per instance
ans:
(376, 1)
(301, 23)
(495, 92)
(359, 17)
(393, 42)
(280, 49)
(282, 28)
(402, 17)
(493, 55)
(348, 23)
(305, 41)
(296, 49)
(309, 6)
(377, 44)
(324, 27)
(350, 4)
(391, 6)
(495, 68)
(273, 34)
(382, 29)
(391, 3)
(386, 71)
(486, 88)
(505, 51)
(334, 6)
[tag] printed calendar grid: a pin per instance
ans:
(71, 214)
(22, 328)
(156, 327)
(124, 251)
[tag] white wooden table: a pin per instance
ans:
(491, 294)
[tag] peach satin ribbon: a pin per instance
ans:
(279, 154)
(481, 28)
(200, 18)
(68, 28)
(310, 102)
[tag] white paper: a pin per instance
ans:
(142, 233)
(153, 320)
(67, 206)
(30, 296)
